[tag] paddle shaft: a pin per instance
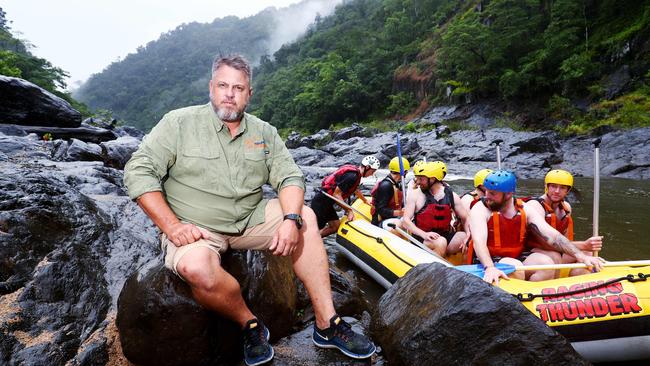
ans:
(415, 241)
(498, 145)
(581, 265)
(596, 188)
(401, 170)
(345, 205)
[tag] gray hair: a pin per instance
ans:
(235, 61)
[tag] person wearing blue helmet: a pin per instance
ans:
(499, 227)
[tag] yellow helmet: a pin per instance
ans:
(479, 177)
(558, 176)
(436, 169)
(418, 163)
(393, 166)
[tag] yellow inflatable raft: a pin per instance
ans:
(605, 315)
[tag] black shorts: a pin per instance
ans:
(323, 207)
(522, 257)
(445, 234)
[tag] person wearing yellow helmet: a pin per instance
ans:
(429, 215)
(387, 196)
(514, 220)
(557, 212)
(470, 198)
(342, 183)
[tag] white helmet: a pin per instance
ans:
(370, 161)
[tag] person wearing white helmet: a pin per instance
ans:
(341, 184)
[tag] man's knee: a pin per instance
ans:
(199, 269)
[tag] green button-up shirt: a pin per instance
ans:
(208, 177)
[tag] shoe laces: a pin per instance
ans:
(255, 337)
(344, 330)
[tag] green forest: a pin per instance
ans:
(17, 61)
(546, 63)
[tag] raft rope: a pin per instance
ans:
(380, 241)
(629, 277)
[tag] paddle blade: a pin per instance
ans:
(479, 271)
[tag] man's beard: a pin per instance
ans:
(227, 115)
(495, 206)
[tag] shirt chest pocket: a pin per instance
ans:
(257, 171)
(200, 166)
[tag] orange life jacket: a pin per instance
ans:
(396, 201)
(506, 237)
(329, 183)
(564, 225)
(436, 215)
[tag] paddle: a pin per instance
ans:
(479, 270)
(345, 205)
(416, 242)
(596, 187)
(401, 169)
(498, 142)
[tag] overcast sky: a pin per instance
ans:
(84, 36)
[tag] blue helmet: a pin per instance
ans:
(501, 181)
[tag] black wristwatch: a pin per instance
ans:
(296, 218)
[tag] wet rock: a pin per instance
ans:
(81, 151)
(156, 308)
(439, 316)
(293, 140)
(617, 82)
(348, 132)
(320, 138)
(160, 324)
(86, 133)
(129, 131)
(116, 153)
(24, 103)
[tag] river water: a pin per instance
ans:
(624, 219)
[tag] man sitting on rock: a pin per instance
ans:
(199, 175)
(387, 196)
(341, 184)
(557, 213)
(499, 225)
(429, 216)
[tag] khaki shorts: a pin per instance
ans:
(258, 237)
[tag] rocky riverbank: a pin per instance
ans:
(76, 253)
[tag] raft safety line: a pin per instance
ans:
(629, 277)
(380, 241)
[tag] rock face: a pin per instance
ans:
(24, 103)
(439, 316)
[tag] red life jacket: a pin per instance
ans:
(435, 215)
(329, 183)
(506, 236)
(395, 201)
(564, 225)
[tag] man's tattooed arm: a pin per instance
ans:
(560, 243)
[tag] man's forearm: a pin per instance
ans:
(559, 243)
(155, 206)
(292, 199)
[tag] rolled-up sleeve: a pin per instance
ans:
(283, 170)
(149, 165)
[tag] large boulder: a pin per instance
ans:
(117, 152)
(24, 103)
(156, 309)
(440, 316)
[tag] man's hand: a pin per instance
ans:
(350, 215)
(431, 236)
(285, 239)
(183, 233)
(492, 275)
(593, 244)
(592, 262)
